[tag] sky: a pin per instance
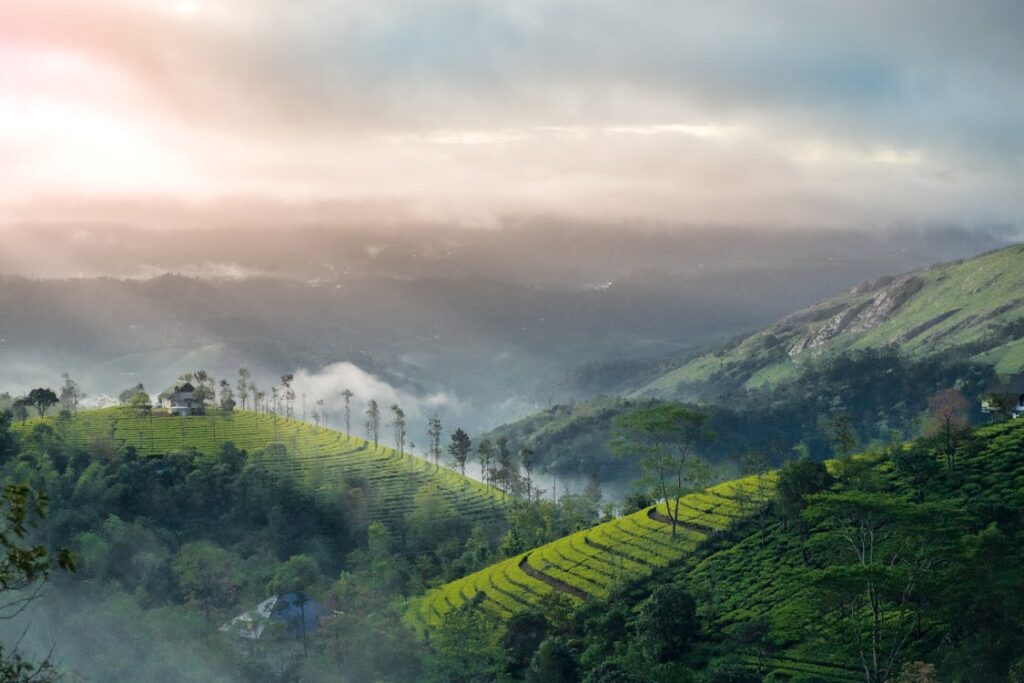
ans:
(789, 113)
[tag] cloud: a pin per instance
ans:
(328, 383)
(469, 111)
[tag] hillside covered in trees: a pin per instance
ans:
(901, 563)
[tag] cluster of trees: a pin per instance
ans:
(43, 399)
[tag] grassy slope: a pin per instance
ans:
(948, 306)
(322, 457)
(751, 573)
(595, 561)
(766, 578)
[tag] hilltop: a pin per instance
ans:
(322, 459)
(973, 308)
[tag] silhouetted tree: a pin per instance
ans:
(70, 394)
(373, 421)
(459, 449)
(398, 425)
(347, 396)
(42, 400)
(243, 386)
(434, 432)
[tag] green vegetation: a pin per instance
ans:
(596, 562)
(883, 393)
(899, 564)
(973, 308)
(321, 458)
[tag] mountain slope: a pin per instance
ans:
(973, 307)
(323, 458)
(782, 593)
(596, 561)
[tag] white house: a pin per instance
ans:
(1004, 395)
(180, 400)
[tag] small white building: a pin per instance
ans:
(1004, 395)
(181, 400)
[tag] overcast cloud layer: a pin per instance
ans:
(784, 113)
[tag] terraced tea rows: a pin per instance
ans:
(594, 561)
(320, 457)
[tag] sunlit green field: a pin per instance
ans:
(321, 458)
(595, 561)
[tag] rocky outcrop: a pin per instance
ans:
(862, 316)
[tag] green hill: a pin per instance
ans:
(595, 562)
(974, 307)
(786, 594)
(320, 457)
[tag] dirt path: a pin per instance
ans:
(557, 584)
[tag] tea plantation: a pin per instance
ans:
(321, 458)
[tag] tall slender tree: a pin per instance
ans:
(398, 425)
(434, 432)
(346, 396)
(288, 393)
(485, 451)
(243, 386)
(373, 421)
(70, 394)
(460, 449)
(526, 459)
(506, 474)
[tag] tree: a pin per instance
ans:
(70, 394)
(668, 623)
(22, 566)
(398, 425)
(243, 385)
(468, 649)
(434, 433)
(129, 395)
(524, 632)
(42, 399)
(204, 388)
(207, 575)
(484, 451)
(347, 396)
(838, 429)
(553, 662)
(798, 479)
(526, 459)
(506, 472)
(20, 408)
(918, 465)
(459, 449)
(947, 422)
(140, 404)
(227, 397)
(880, 552)
(321, 406)
(664, 438)
(257, 398)
(288, 393)
(373, 421)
